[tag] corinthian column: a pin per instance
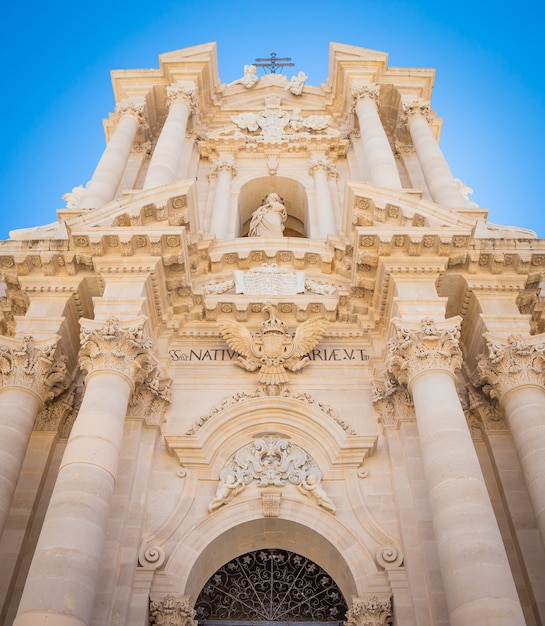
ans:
(29, 375)
(167, 153)
(103, 185)
(441, 183)
(322, 223)
(224, 171)
(376, 147)
(514, 369)
(61, 583)
(478, 583)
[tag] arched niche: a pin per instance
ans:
(293, 193)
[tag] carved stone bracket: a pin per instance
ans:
(271, 461)
(511, 362)
(371, 611)
(111, 346)
(425, 346)
(171, 612)
(35, 366)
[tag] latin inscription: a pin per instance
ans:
(203, 355)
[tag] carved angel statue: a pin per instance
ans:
(311, 488)
(273, 350)
(249, 79)
(296, 84)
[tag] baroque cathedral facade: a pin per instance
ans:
(271, 364)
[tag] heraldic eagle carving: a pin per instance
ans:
(273, 350)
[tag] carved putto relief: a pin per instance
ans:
(273, 350)
(271, 461)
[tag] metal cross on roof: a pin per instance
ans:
(272, 64)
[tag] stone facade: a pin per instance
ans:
(272, 321)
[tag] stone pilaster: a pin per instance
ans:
(63, 575)
(379, 156)
(513, 372)
(181, 99)
(439, 178)
(31, 373)
(323, 222)
(371, 611)
(105, 181)
(478, 583)
(171, 612)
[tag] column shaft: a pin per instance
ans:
(376, 147)
(219, 224)
(18, 410)
(476, 574)
(61, 583)
(524, 409)
(441, 183)
(103, 185)
(167, 153)
(324, 220)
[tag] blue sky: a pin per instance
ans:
(57, 57)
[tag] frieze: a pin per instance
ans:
(335, 354)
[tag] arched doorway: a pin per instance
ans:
(270, 586)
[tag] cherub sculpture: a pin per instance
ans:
(273, 350)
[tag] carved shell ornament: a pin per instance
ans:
(273, 350)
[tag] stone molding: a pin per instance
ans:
(371, 611)
(171, 612)
(511, 363)
(121, 348)
(36, 366)
(424, 346)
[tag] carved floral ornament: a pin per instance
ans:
(418, 347)
(372, 611)
(271, 461)
(511, 362)
(38, 368)
(171, 612)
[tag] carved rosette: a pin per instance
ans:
(109, 346)
(512, 362)
(39, 368)
(370, 611)
(171, 612)
(426, 346)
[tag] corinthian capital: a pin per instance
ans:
(171, 612)
(370, 611)
(429, 345)
(111, 346)
(365, 90)
(131, 108)
(34, 366)
(416, 108)
(512, 362)
(322, 163)
(182, 91)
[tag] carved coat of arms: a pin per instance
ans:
(273, 350)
